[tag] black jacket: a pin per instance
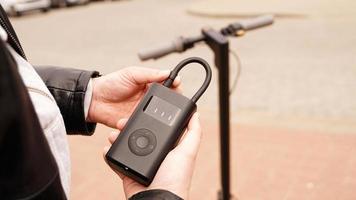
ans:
(28, 169)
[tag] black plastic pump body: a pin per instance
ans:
(140, 157)
(154, 128)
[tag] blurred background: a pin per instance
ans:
(293, 111)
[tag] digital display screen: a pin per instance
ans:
(162, 110)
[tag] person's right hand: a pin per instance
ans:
(175, 172)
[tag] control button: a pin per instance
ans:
(142, 142)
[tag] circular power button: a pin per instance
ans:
(142, 142)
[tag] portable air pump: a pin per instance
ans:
(155, 127)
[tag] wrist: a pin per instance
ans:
(87, 98)
(93, 103)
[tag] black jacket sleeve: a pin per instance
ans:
(68, 87)
(155, 195)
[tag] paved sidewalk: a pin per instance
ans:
(267, 163)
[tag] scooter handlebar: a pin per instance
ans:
(257, 22)
(162, 49)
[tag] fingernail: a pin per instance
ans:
(106, 149)
(177, 78)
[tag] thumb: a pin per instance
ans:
(190, 142)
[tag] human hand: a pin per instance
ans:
(117, 94)
(180, 160)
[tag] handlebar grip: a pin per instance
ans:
(162, 50)
(257, 22)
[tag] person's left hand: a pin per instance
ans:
(117, 94)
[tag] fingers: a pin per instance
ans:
(176, 82)
(178, 90)
(105, 151)
(191, 140)
(145, 75)
(176, 85)
(112, 137)
(121, 123)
